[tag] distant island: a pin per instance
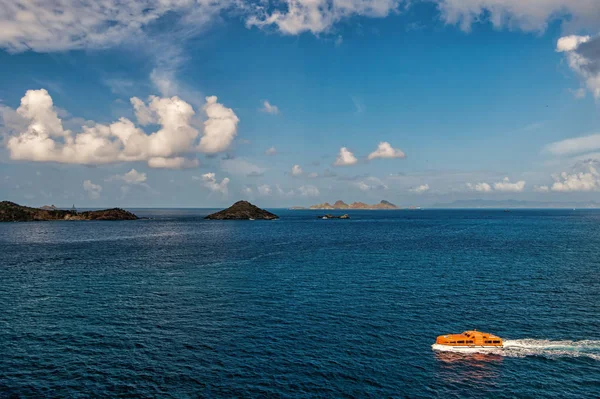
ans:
(242, 210)
(514, 204)
(355, 205)
(11, 212)
(329, 216)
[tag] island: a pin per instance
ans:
(11, 212)
(329, 216)
(242, 210)
(355, 205)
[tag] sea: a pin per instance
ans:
(175, 306)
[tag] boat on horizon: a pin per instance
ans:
(468, 341)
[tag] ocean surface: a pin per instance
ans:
(180, 307)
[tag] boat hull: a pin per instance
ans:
(465, 348)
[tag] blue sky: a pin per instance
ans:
(192, 104)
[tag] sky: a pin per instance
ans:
(200, 103)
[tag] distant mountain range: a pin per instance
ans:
(355, 205)
(479, 203)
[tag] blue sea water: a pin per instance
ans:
(180, 307)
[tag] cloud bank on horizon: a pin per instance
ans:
(173, 130)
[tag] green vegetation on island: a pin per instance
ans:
(11, 212)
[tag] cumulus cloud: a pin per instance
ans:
(584, 177)
(210, 182)
(313, 175)
(92, 189)
(576, 145)
(480, 187)
(423, 188)
(131, 177)
(219, 129)
(297, 170)
(271, 151)
(264, 190)
(370, 183)
(269, 108)
(506, 186)
(309, 191)
(345, 158)
(583, 57)
(43, 137)
(541, 189)
(385, 150)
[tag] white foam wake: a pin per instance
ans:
(547, 348)
(537, 347)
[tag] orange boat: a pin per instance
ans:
(468, 341)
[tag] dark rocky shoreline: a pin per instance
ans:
(11, 212)
(242, 210)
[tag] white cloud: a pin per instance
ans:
(313, 175)
(92, 189)
(172, 163)
(576, 145)
(583, 57)
(317, 16)
(570, 43)
(585, 177)
(297, 170)
(541, 189)
(420, 189)
(506, 186)
(44, 139)
(286, 194)
(371, 183)
(210, 182)
(502, 186)
(309, 191)
(530, 15)
(219, 129)
(345, 158)
(385, 150)
(131, 177)
(271, 151)
(241, 167)
(480, 187)
(269, 109)
(45, 26)
(246, 191)
(264, 190)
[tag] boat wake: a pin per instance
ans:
(538, 347)
(552, 349)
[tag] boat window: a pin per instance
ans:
(460, 342)
(469, 342)
(488, 342)
(452, 342)
(496, 342)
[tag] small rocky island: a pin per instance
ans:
(11, 212)
(242, 210)
(329, 216)
(355, 205)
